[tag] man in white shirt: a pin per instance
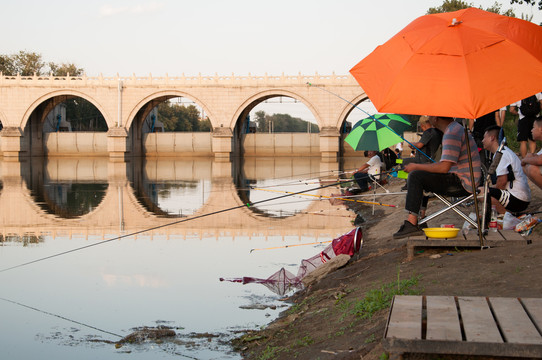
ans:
(372, 168)
(511, 191)
(525, 125)
(532, 163)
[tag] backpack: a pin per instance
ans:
(530, 106)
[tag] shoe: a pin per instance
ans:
(422, 226)
(407, 229)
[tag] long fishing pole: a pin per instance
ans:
(327, 197)
(162, 226)
(371, 116)
(60, 317)
(292, 245)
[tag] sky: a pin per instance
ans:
(210, 37)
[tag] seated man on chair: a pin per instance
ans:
(511, 192)
(368, 171)
(532, 163)
(450, 176)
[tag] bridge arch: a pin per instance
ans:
(348, 107)
(255, 99)
(2, 117)
(26, 117)
(166, 95)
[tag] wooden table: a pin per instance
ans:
(497, 238)
(495, 326)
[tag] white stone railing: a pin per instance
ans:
(222, 80)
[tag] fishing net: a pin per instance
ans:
(284, 281)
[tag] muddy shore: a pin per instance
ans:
(343, 316)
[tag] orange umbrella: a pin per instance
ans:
(463, 64)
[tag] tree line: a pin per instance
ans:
(177, 117)
(282, 123)
(28, 63)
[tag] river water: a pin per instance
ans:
(92, 250)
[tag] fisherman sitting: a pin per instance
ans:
(511, 191)
(368, 171)
(450, 176)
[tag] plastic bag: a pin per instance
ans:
(509, 221)
(466, 225)
(528, 222)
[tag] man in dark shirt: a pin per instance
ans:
(429, 143)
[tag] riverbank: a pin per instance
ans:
(343, 316)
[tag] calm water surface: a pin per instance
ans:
(62, 307)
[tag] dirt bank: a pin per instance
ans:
(329, 320)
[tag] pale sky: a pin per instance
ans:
(209, 36)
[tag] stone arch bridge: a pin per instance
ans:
(126, 101)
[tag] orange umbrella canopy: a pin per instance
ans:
(463, 64)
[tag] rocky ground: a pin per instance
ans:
(343, 315)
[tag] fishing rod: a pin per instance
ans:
(308, 181)
(248, 205)
(372, 117)
(60, 317)
(78, 323)
(328, 197)
(293, 245)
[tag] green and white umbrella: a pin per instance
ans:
(371, 134)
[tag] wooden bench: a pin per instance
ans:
(495, 326)
(500, 237)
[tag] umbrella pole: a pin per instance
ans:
(480, 230)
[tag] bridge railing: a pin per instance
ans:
(204, 80)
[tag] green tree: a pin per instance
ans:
(261, 124)
(84, 116)
(7, 67)
(28, 63)
(528, 2)
(64, 69)
(454, 5)
(282, 123)
(176, 117)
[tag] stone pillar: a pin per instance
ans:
(12, 138)
(329, 143)
(117, 143)
(222, 143)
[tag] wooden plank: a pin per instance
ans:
(442, 319)
(478, 321)
(406, 318)
(524, 351)
(512, 235)
(534, 308)
(515, 324)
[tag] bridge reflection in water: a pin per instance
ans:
(99, 197)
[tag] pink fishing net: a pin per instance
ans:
(284, 281)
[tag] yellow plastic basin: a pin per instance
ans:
(441, 233)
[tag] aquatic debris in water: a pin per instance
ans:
(146, 333)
